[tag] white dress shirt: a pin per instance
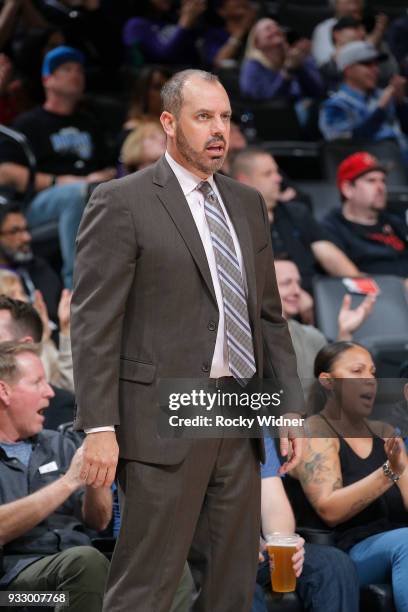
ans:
(195, 200)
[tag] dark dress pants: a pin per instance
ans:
(210, 505)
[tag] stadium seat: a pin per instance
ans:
(272, 120)
(384, 333)
(324, 196)
(387, 151)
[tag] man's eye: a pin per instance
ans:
(203, 116)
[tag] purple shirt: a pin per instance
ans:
(261, 83)
(161, 42)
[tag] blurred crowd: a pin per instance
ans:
(80, 103)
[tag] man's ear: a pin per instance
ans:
(326, 380)
(169, 123)
(5, 393)
(347, 189)
(243, 178)
(27, 340)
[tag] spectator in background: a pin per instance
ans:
(359, 109)
(145, 100)
(345, 30)
(274, 69)
(354, 470)
(44, 505)
(222, 46)
(29, 57)
(16, 254)
(23, 322)
(322, 41)
(397, 37)
(68, 148)
(327, 579)
(374, 239)
(293, 228)
(237, 143)
(308, 340)
(16, 12)
(12, 286)
(155, 38)
(143, 146)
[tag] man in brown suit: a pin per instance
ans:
(150, 302)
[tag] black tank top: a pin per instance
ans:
(385, 513)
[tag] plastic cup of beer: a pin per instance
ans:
(281, 548)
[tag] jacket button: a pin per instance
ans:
(212, 326)
(205, 367)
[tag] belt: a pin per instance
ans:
(222, 382)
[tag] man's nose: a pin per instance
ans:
(49, 391)
(218, 126)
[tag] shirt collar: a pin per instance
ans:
(188, 181)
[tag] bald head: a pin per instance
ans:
(172, 93)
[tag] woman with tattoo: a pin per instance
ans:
(354, 470)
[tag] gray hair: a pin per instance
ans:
(8, 364)
(172, 91)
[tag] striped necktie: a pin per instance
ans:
(239, 336)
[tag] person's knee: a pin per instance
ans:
(332, 563)
(399, 544)
(86, 566)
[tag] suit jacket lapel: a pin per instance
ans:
(241, 226)
(172, 197)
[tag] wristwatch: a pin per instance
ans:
(389, 473)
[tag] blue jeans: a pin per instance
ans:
(64, 204)
(328, 581)
(384, 558)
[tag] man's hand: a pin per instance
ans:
(291, 444)
(100, 458)
(190, 11)
(64, 314)
(375, 37)
(241, 26)
(395, 89)
(350, 319)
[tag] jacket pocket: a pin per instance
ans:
(136, 371)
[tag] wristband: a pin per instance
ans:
(389, 473)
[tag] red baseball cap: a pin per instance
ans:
(356, 165)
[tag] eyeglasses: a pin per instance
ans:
(14, 231)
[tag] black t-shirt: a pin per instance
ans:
(62, 144)
(376, 249)
(293, 231)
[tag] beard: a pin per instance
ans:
(196, 158)
(17, 258)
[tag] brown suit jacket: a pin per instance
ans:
(144, 305)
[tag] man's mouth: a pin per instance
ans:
(216, 148)
(367, 396)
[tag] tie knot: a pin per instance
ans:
(205, 188)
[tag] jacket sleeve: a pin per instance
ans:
(104, 269)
